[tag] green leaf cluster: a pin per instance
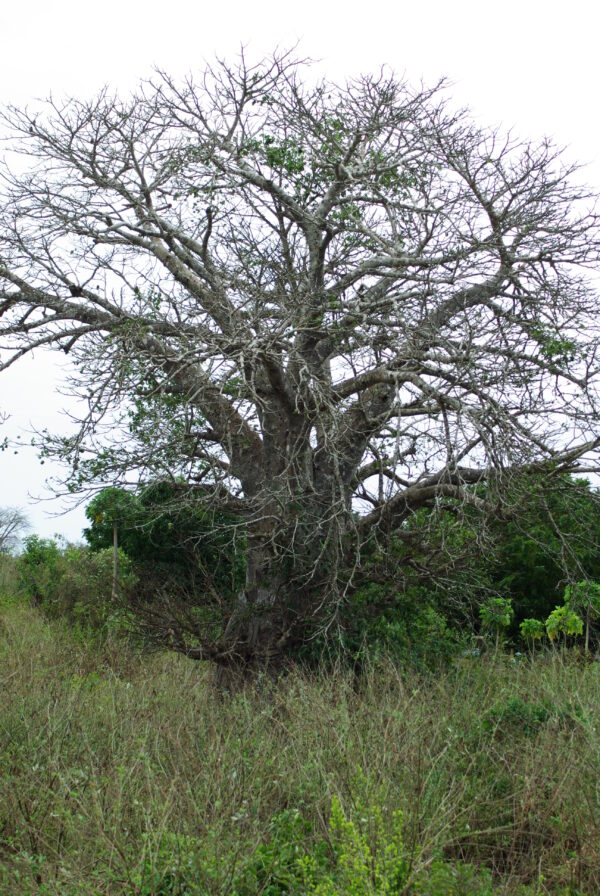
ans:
(563, 621)
(72, 582)
(497, 613)
(172, 539)
(532, 630)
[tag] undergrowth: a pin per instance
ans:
(127, 774)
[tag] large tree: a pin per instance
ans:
(318, 307)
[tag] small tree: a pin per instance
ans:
(496, 615)
(584, 597)
(113, 508)
(532, 630)
(39, 569)
(72, 581)
(564, 622)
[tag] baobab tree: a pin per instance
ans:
(317, 307)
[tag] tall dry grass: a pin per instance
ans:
(106, 756)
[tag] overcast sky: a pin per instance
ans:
(529, 65)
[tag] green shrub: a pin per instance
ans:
(532, 630)
(169, 538)
(584, 598)
(38, 568)
(289, 862)
(71, 581)
(516, 716)
(496, 615)
(9, 577)
(459, 879)
(368, 859)
(86, 587)
(365, 856)
(380, 623)
(175, 868)
(529, 562)
(563, 621)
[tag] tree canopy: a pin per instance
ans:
(319, 307)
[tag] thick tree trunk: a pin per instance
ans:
(256, 632)
(288, 565)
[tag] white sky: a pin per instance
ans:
(530, 65)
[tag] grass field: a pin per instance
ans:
(128, 774)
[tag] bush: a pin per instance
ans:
(496, 615)
(175, 868)
(363, 856)
(38, 568)
(170, 538)
(515, 716)
(584, 598)
(530, 562)
(67, 580)
(563, 621)
(289, 862)
(380, 622)
(9, 578)
(532, 630)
